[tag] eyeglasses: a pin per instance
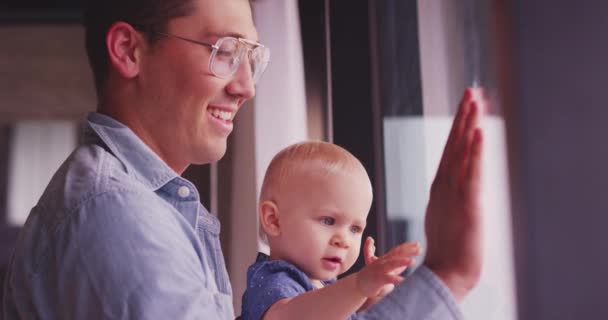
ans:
(228, 53)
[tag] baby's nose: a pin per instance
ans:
(339, 241)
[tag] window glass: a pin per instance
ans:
(428, 53)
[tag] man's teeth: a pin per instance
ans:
(224, 115)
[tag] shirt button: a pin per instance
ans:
(183, 192)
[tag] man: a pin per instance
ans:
(118, 234)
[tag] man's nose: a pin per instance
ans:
(242, 84)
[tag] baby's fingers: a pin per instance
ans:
(395, 265)
(369, 251)
(393, 279)
(402, 269)
(407, 249)
(379, 273)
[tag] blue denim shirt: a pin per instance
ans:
(117, 234)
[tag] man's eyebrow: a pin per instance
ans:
(229, 34)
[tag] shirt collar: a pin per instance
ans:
(139, 160)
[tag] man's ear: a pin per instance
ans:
(269, 218)
(124, 45)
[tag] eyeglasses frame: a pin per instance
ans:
(215, 47)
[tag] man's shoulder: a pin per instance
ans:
(89, 172)
(86, 197)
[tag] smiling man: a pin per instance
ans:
(119, 234)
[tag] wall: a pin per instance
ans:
(275, 119)
(557, 130)
(44, 73)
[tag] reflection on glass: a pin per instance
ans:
(452, 43)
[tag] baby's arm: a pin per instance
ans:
(345, 296)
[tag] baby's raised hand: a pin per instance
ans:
(369, 251)
(380, 272)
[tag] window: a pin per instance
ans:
(399, 69)
(37, 149)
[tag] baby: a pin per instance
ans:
(313, 209)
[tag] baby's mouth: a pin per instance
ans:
(333, 259)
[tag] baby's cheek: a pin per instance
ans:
(352, 257)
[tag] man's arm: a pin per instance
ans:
(422, 296)
(452, 264)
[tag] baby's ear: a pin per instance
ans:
(269, 218)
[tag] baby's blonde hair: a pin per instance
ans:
(309, 156)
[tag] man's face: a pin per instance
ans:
(187, 110)
(322, 218)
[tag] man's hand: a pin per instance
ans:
(453, 217)
(380, 274)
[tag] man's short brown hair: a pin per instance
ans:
(147, 16)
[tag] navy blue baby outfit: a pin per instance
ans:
(269, 281)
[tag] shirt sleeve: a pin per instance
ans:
(268, 284)
(123, 255)
(422, 296)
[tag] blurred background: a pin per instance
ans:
(382, 78)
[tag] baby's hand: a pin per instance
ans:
(380, 274)
(369, 255)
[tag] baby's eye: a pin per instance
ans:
(328, 221)
(356, 229)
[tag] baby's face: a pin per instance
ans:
(322, 221)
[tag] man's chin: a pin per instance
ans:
(211, 153)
